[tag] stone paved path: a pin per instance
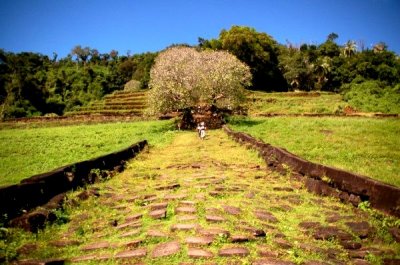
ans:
(210, 202)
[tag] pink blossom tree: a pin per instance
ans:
(183, 77)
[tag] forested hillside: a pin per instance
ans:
(33, 84)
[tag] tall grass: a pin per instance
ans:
(28, 151)
(366, 146)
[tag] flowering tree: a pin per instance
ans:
(183, 77)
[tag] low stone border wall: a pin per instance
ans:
(325, 180)
(317, 115)
(46, 188)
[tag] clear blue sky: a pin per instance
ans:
(48, 26)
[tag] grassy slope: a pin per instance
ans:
(292, 103)
(363, 145)
(29, 151)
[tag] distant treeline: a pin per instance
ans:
(34, 84)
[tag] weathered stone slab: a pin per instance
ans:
(266, 252)
(35, 262)
(158, 214)
(98, 245)
(216, 193)
(361, 262)
(172, 197)
(184, 227)
(201, 240)
(136, 253)
(64, 243)
(200, 196)
(331, 232)
(333, 218)
(252, 230)
(264, 215)
(309, 225)
(198, 253)
(220, 188)
(131, 224)
(364, 252)
(91, 257)
(350, 245)
(271, 261)
(183, 218)
(234, 251)
(133, 198)
(213, 210)
(214, 231)
(240, 238)
(391, 261)
(215, 218)
(282, 243)
(395, 232)
(166, 249)
(158, 206)
(361, 229)
(149, 196)
(156, 233)
(250, 195)
(169, 186)
(315, 262)
(287, 189)
(119, 207)
(149, 200)
(185, 210)
(201, 186)
(310, 248)
(133, 243)
(133, 217)
(232, 210)
(187, 203)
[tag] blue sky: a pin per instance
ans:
(48, 26)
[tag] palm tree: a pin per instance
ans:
(322, 69)
(350, 48)
(380, 47)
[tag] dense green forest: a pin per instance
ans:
(33, 84)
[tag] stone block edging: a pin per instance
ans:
(40, 189)
(325, 180)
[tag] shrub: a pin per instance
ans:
(373, 96)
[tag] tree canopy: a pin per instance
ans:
(183, 77)
(258, 50)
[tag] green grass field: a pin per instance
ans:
(28, 151)
(366, 146)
